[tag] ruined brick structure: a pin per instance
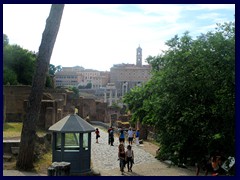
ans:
(55, 105)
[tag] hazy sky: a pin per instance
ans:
(96, 36)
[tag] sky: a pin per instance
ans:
(97, 36)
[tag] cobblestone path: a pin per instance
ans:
(105, 159)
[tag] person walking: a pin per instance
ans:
(122, 136)
(87, 118)
(129, 158)
(97, 134)
(130, 136)
(109, 139)
(111, 136)
(137, 137)
(121, 156)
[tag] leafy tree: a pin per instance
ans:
(51, 72)
(54, 69)
(5, 40)
(20, 61)
(27, 145)
(88, 86)
(9, 77)
(190, 98)
(75, 90)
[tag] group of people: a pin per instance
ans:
(125, 157)
(131, 134)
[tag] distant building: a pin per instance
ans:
(127, 76)
(139, 57)
(78, 76)
(108, 86)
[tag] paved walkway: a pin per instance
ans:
(105, 159)
(20, 173)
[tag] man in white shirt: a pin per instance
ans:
(130, 136)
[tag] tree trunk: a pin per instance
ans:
(26, 151)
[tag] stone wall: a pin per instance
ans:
(56, 104)
(101, 112)
(14, 102)
(87, 107)
(15, 106)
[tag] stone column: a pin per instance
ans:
(110, 98)
(105, 97)
(122, 89)
(115, 95)
(126, 85)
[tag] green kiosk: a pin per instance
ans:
(71, 144)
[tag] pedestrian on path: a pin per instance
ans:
(137, 137)
(111, 136)
(97, 134)
(87, 118)
(122, 136)
(130, 136)
(129, 158)
(121, 156)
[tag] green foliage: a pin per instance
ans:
(190, 98)
(54, 69)
(75, 90)
(9, 77)
(88, 86)
(18, 62)
(5, 40)
(49, 83)
(19, 65)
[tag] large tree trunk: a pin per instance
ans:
(26, 151)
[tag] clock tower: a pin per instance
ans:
(139, 57)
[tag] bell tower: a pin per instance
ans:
(139, 56)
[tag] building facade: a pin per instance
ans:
(108, 86)
(127, 76)
(78, 76)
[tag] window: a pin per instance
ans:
(85, 141)
(71, 141)
(58, 141)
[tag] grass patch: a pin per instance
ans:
(12, 130)
(42, 164)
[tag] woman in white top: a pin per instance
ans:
(129, 158)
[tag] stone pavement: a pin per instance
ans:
(20, 173)
(105, 160)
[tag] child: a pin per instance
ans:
(97, 134)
